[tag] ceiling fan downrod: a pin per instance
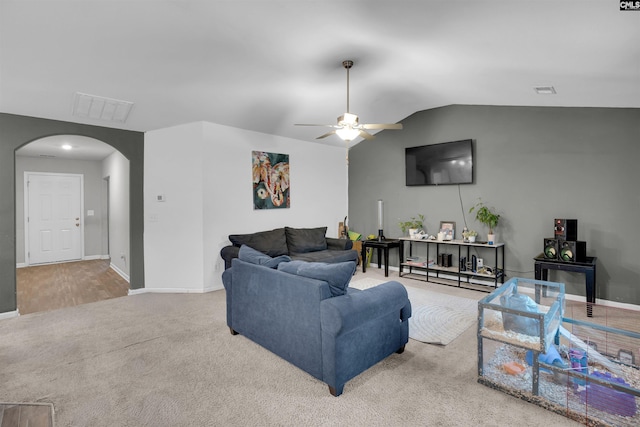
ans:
(347, 65)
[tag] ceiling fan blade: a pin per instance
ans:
(366, 135)
(333, 132)
(382, 126)
(311, 124)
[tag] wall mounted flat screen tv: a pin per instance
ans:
(440, 164)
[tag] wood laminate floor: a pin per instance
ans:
(53, 286)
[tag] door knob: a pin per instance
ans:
(77, 224)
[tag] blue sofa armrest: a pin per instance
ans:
(360, 329)
(340, 315)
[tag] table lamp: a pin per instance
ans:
(380, 220)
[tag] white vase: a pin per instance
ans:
(413, 233)
(472, 239)
(491, 239)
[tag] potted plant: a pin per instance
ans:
(470, 235)
(413, 226)
(488, 217)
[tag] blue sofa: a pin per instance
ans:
(306, 320)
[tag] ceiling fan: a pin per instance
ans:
(349, 127)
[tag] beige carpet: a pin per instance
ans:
(436, 318)
(169, 360)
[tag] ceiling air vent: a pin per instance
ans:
(545, 90)
(101, 108)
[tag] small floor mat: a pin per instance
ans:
(436, 318)
(26, 414)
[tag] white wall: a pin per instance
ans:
(204, 172)
(116, 169)
(173, 227)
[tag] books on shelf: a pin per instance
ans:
(419, 262)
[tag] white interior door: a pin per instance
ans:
(53, 211)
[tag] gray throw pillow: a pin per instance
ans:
(337, 275)
(248, 254)
(272, 242)
(302, 240)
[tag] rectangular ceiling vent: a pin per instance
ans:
(545, 90)
(101, 108)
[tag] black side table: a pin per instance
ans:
(588, 268)
(381, 245)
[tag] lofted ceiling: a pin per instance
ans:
(264, 65)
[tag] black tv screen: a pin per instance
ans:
(440, 164)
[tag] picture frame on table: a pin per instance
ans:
(448, 228)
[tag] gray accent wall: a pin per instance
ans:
(533, 164)
(16, 131)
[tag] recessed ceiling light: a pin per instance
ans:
(101, 108)
(67, 147)
(545, 90)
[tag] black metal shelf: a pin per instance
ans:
(462, 278)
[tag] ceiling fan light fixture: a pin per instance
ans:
(347, 133)
(348, 119)
(349, 127)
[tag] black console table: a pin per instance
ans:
(462, 274)
(588, 268)
(382, 246)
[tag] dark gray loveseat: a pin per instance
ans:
(304, 244)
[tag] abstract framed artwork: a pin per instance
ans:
(271, 184)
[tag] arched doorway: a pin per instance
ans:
(20, 130)
(98, 268)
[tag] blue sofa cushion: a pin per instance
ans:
(337, 275)
(302, 240)
(272, 242)
(248, 254)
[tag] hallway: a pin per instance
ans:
(53, 286)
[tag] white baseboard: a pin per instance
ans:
(92, 257)
(84, 258)
(121, 273)
(9, 315)
(571, 297)
(604, 302)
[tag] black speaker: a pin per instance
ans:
(444, 260)
(550, 249)
(572, 250)
(565, 229)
